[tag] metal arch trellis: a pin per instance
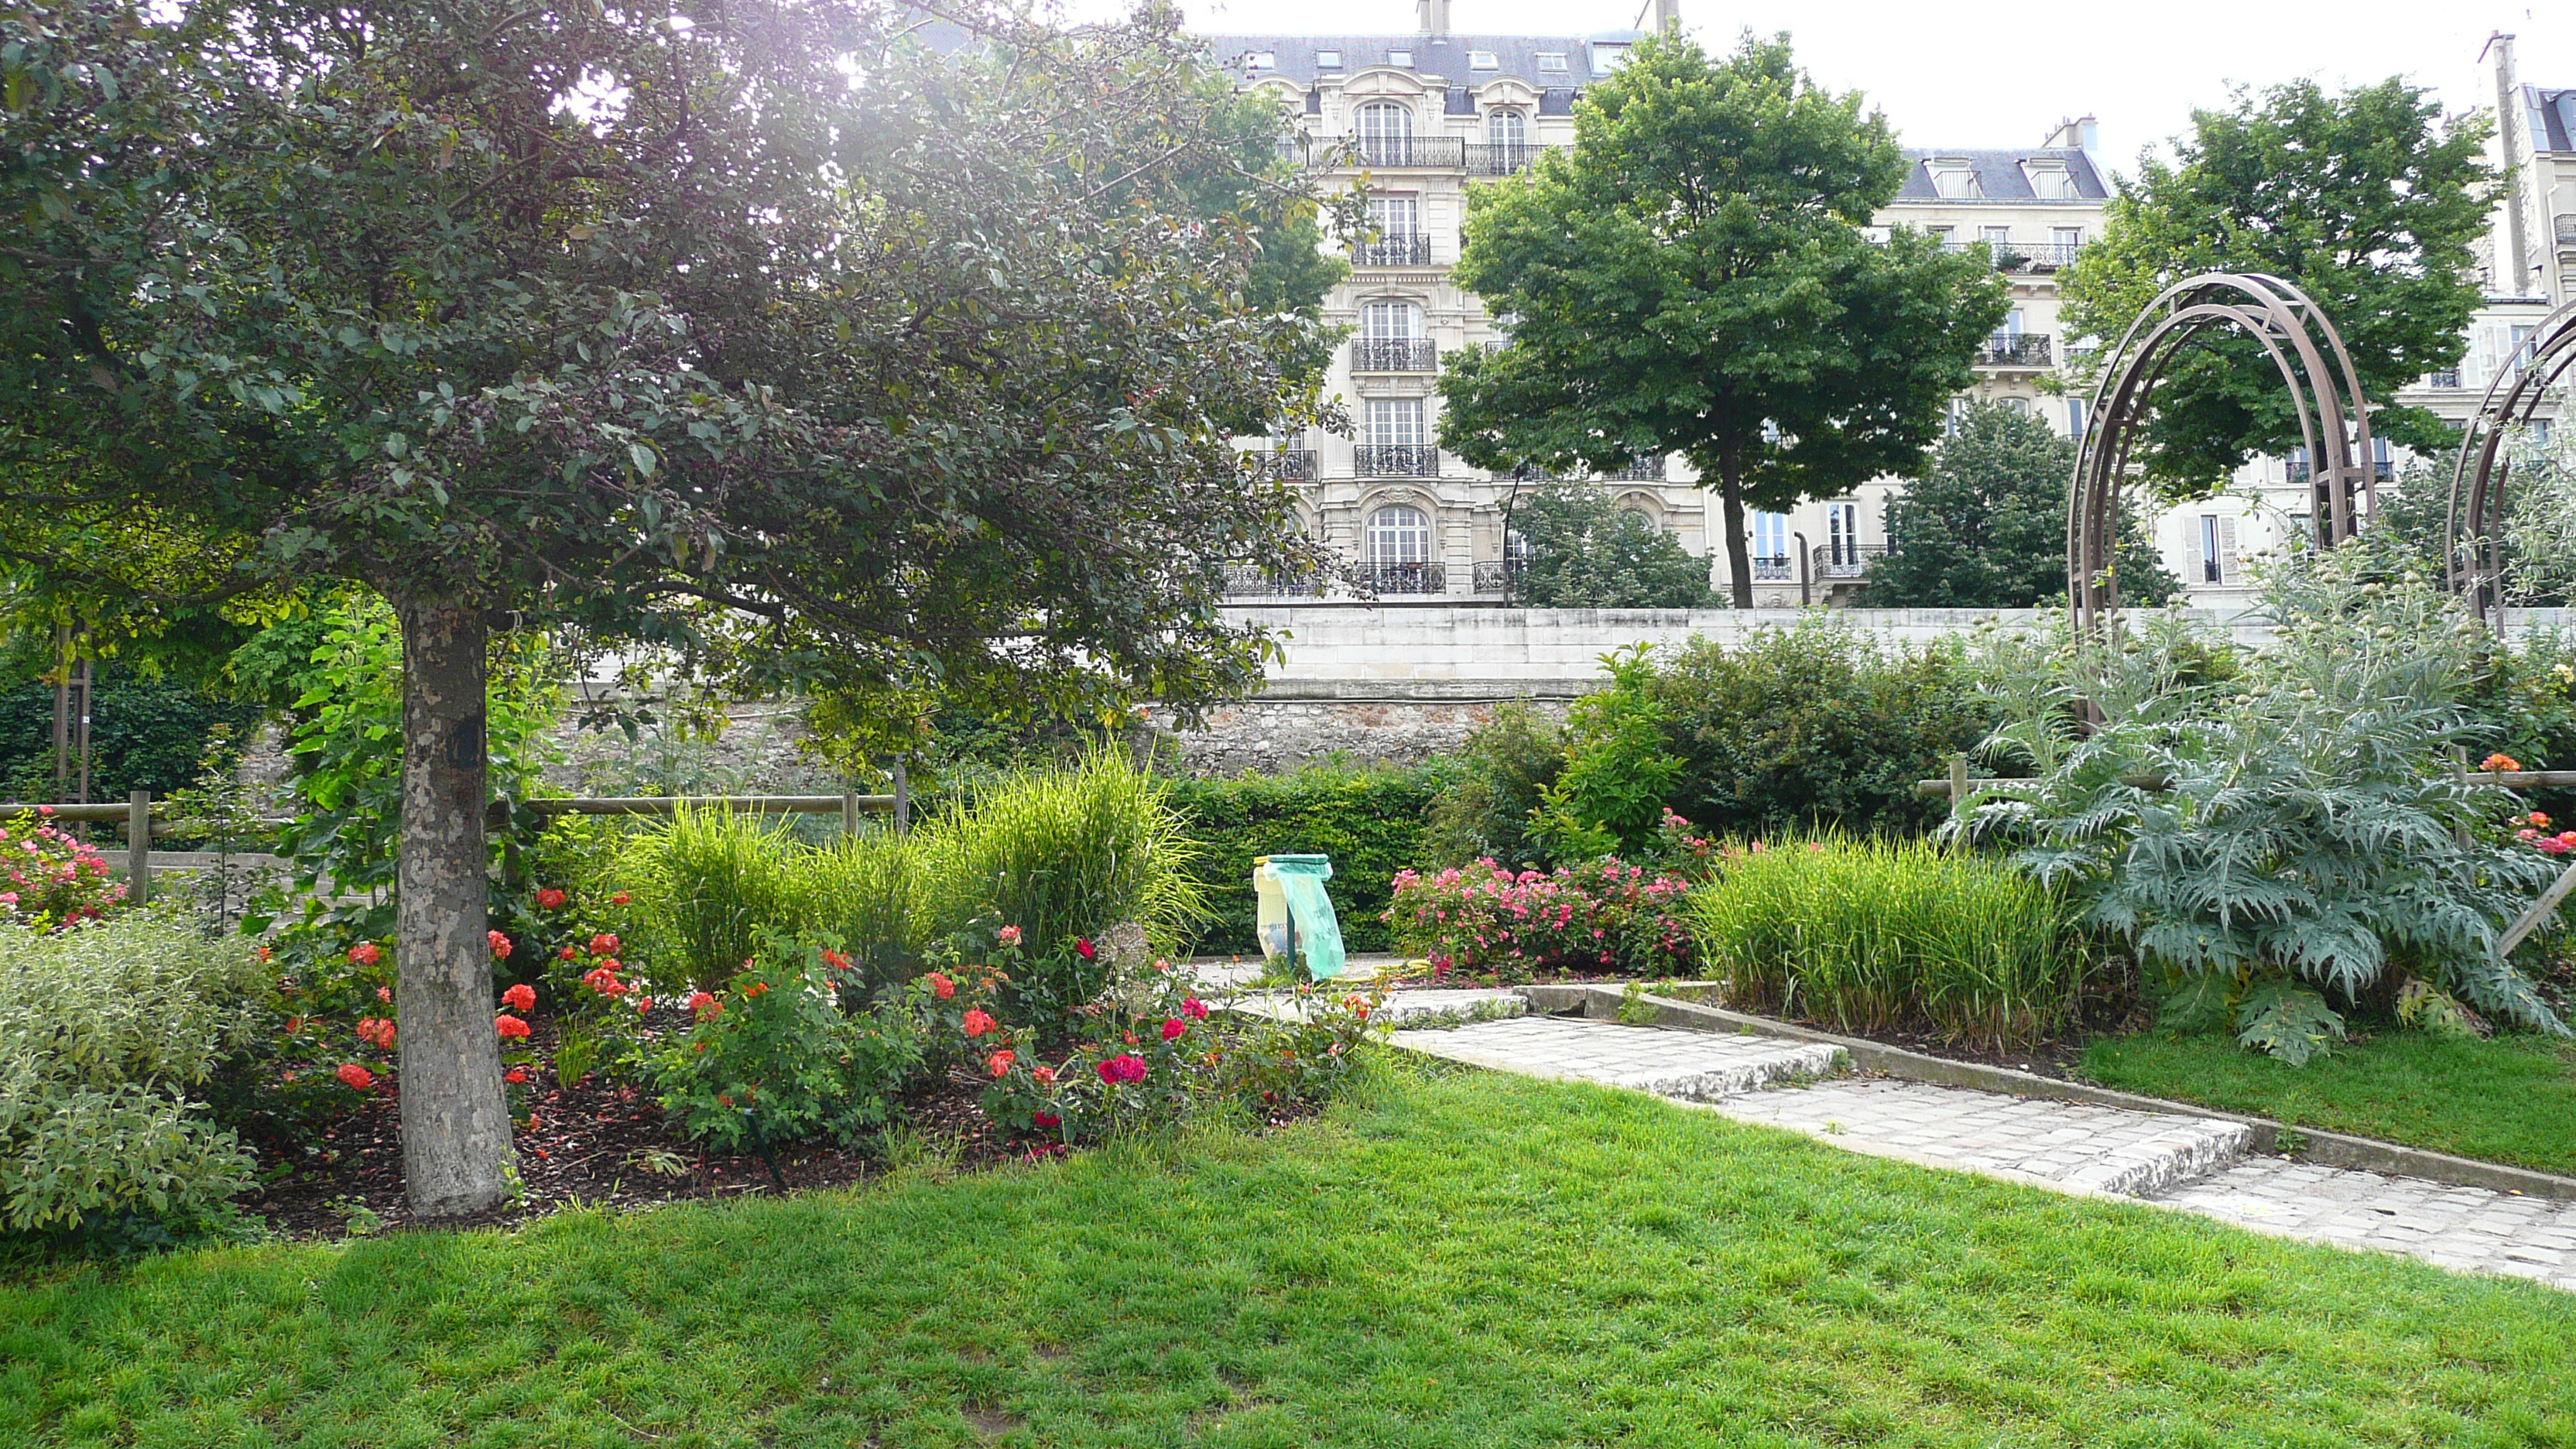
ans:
(2473, 535)
(2296, 334)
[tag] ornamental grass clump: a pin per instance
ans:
(706, 885)
(1906, 935)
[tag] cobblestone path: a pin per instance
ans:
(2192, 1164)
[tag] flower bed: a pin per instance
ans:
(1607, 916)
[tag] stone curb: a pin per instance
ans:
(2327, 1149)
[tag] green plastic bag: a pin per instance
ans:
(1318, 930)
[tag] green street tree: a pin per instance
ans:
(1582, 551)
(1985, 526)
(2369, 201)
(774, 335)
(1692, 277)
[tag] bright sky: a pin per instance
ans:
(2002, 75)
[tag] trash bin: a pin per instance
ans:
(1295, 916)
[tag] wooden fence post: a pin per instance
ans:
(902, 800)
(1958, 782)
(849, 812)
(138, 846)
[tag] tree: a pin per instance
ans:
(777, 336)
(2370, 202)
(1585, 552)
(1985, 526)
(1692, 277)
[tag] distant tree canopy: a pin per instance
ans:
(2370, 201)
(1584, 551)
(1985, 526)
(1693, 277)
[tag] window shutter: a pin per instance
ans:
(2191, 571)
(2227, 552)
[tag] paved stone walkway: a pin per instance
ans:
(2192, 1164)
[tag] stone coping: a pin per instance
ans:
(2308, 1144)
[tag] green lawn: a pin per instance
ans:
(2505, 1099)
(1468, 1260)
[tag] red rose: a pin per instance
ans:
(365, 953)
(1173, 1027)
(1045, 1075)
(1084, 949)
(567, 953)
(704, 1005)
(521, 997)
(499, 943)
(1124, 1067)
(603, 944)
(999, 1063)
(1194, 1009)
(548, 898)
(1046, 1119)
(515, 1075)
(941, 986)
(977, 1023)
(510, 1026)
(618, 899)
(358, 1077)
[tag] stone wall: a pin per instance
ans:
(1294, 724)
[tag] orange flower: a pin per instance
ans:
(1044, 1076)
(2500, 761)
(977, 1023)
(521, 997)
(999, 1063)
(941, 986)
(364, 953)
(510, 1026)
(358, 1077)
(515, 1075)
(754, 989)
(499, 943)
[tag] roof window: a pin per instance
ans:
(1400, 58)
(1328, 60)
(1482, 60)
(1261, 60)
(1607, 58)
(1551, 60)
(1953, 176)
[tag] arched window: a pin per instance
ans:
(1399, 533)
(1508, 133)
(1386, 134)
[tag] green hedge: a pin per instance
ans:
(145, 734)
(1369, 819)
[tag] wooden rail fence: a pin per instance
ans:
(143, 818)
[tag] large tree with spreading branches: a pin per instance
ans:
(811, 338)
(1693, 276)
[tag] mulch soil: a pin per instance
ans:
(605, 1144)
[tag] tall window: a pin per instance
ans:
(1399, 534)
(1391, 339)
(1397, 218)
(1770, 535)
(1507, 130)
(1391, 322)
(2066, 237)
(1842, 533)
(1395, 422)
(1386, 134)
(1997, 237)
(2075, 418)
(2212, 562)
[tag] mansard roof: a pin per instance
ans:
(2552, 116)
(1443, 56)
(2000, 175)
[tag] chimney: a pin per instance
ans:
(1435, 17)
(2509, 112)
(2084, 135)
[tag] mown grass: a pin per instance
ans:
(2510, 1098)
(1458, 1261)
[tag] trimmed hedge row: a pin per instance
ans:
(1370, 820)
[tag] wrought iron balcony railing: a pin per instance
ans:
(2448, 378)
(2026, 349)
(2382, 470)
(2566, 230)
(1846, 560)
(1405, 578)
(1499, 160)
(2016, 256)
(1394, 354)
(1289, 465)
(1263, 581)
(1396, 249)
(1500, 576)
(1773, 568)
(1397, 460)
(1644, 470)
(1379, 153)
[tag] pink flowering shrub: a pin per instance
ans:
(1606, 916)
(48, 880)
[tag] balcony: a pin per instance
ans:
(1846, 560)
(1285, 465)
(1644, 470)
(2449, 379)
(1394, 354)
(1405, 578)
(2014, 256)
(2566, 227)
(1774, 568)
(1397, 460)
(2382, 470)
(2027, 349)
(1500, 576)
(1260, 581)
(1399, 249)
(1487, 160)
(1381, 153)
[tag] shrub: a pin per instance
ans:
(2282, 845)
(706, 886)
(1813, 727)
(1603, 916)
(1499, 779)
(1873, 935)
(775, 1057)
(105, 1029)
(1064, 854)
(1369, 819)
(54, 880)
(145, 734)
(1609, 798)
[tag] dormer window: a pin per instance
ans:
(1401, 59)
(2050, 180)
(1953, 176)
(1607, 58)
(1482, 60)
(1261, 60)
(1328, 60)
(1551, 60)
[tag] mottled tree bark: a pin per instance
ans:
(455, 1120)
(1739, 554)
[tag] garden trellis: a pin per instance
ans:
(2473, 534)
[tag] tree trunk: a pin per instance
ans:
(1730, 493)
(455, 1120)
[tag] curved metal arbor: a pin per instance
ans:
(2324, 390)
(2473, 538)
